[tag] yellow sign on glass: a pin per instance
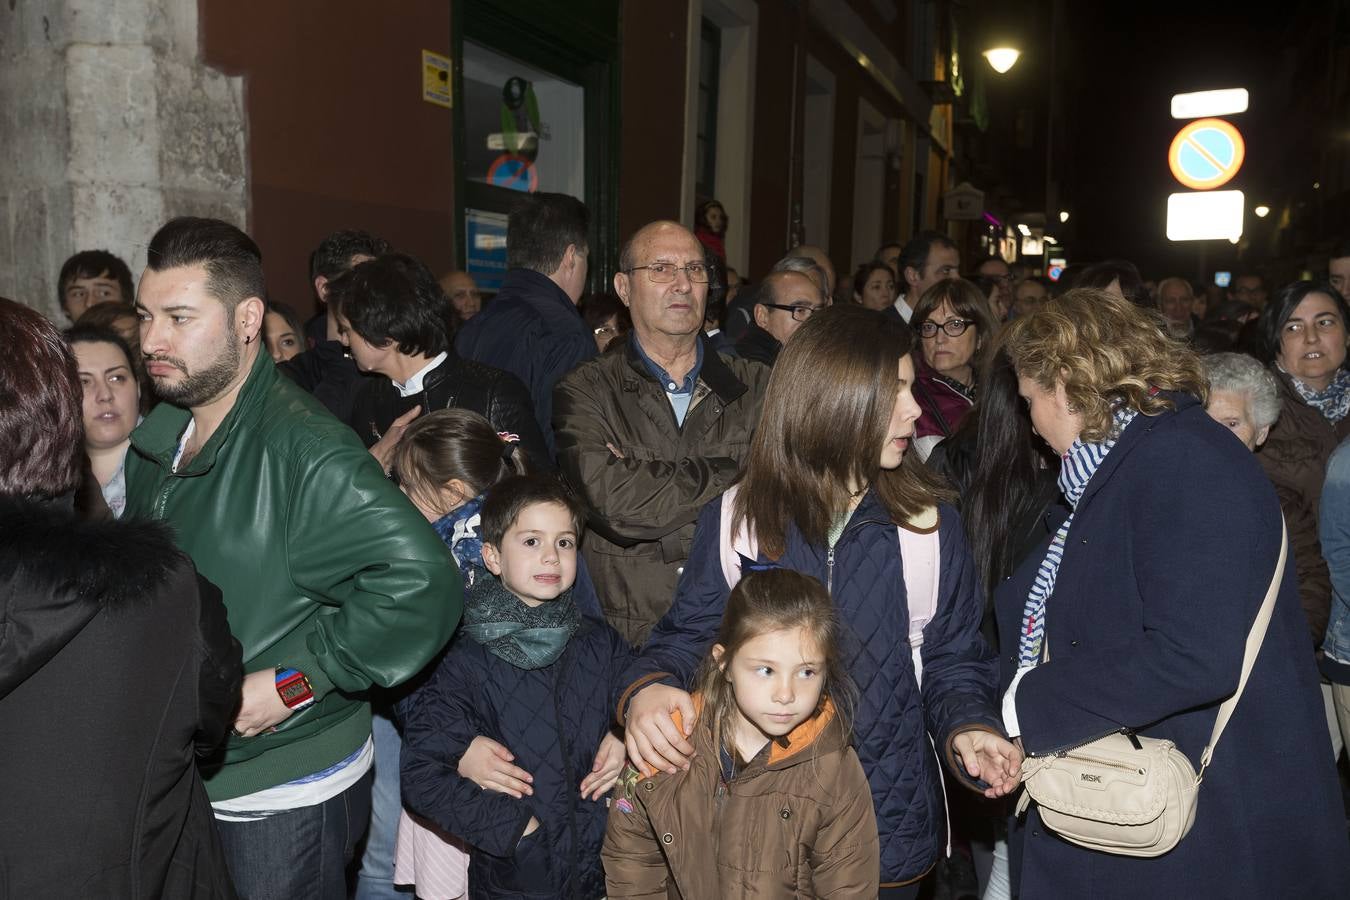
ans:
(436, 79)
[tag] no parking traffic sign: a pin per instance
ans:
(1206, 154)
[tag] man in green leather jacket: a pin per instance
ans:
(333, 581)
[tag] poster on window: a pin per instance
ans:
(485, 248)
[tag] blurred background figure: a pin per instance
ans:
(993, 293)
(890, 255)
(465, 298)
(606, 317)
(1030, 294)
(926, 259)
(998, 271)
(120, 318)
(91, 277)
(710, 227)
(282, 331)
(1118, 276)
(1176, 302)
(1249, 287)
(874, 286)
(337, 253)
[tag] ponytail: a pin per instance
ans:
(455, 444)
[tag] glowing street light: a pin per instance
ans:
(1064, 215)
(1002, 58)
(1262, 211)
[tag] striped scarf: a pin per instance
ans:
(1333, 401)
(1079, 464)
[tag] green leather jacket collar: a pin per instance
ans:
(158, 435)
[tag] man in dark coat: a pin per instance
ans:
(391, 316)
(653, 429)
(117, 667)
(531, 328)
(783, 301)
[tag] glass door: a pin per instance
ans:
(536, 110)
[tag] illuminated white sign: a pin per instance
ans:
(1209, 103)
(1205, 216)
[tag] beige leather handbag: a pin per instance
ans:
(1128, 794)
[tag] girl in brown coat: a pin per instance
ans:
(775, 803)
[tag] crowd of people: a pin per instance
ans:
(705, 587)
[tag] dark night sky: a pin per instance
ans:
(1122, 64)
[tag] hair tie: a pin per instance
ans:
(509, 442)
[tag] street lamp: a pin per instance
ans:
(1002, 58)
(1262, 211)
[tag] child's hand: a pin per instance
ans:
(990, 757)
(488, 764)
(654, 742)
(609, 760)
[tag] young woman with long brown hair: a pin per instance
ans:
(830, 490)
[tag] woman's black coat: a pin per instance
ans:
(117, 673)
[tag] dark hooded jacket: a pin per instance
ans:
(117, 673)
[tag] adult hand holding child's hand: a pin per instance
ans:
(654, 741)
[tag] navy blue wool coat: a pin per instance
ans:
(894, 719)
(1168, 559)
(552, 719)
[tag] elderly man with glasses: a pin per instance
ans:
(783, 301)
(648, 435)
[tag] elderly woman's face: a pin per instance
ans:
(1234, 410)
(1312, 341)
(1051, 417)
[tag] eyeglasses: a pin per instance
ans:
(799, 313)
(607, 329)
(953, 327)
(664, 273)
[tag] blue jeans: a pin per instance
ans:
(375, 881)
(301, 854)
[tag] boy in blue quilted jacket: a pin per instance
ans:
(530, 671)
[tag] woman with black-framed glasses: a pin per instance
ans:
(956, 329)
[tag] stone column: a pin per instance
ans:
(109, 125)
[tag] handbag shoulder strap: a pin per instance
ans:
(1255, 636)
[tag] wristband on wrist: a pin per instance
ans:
(294, 688)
